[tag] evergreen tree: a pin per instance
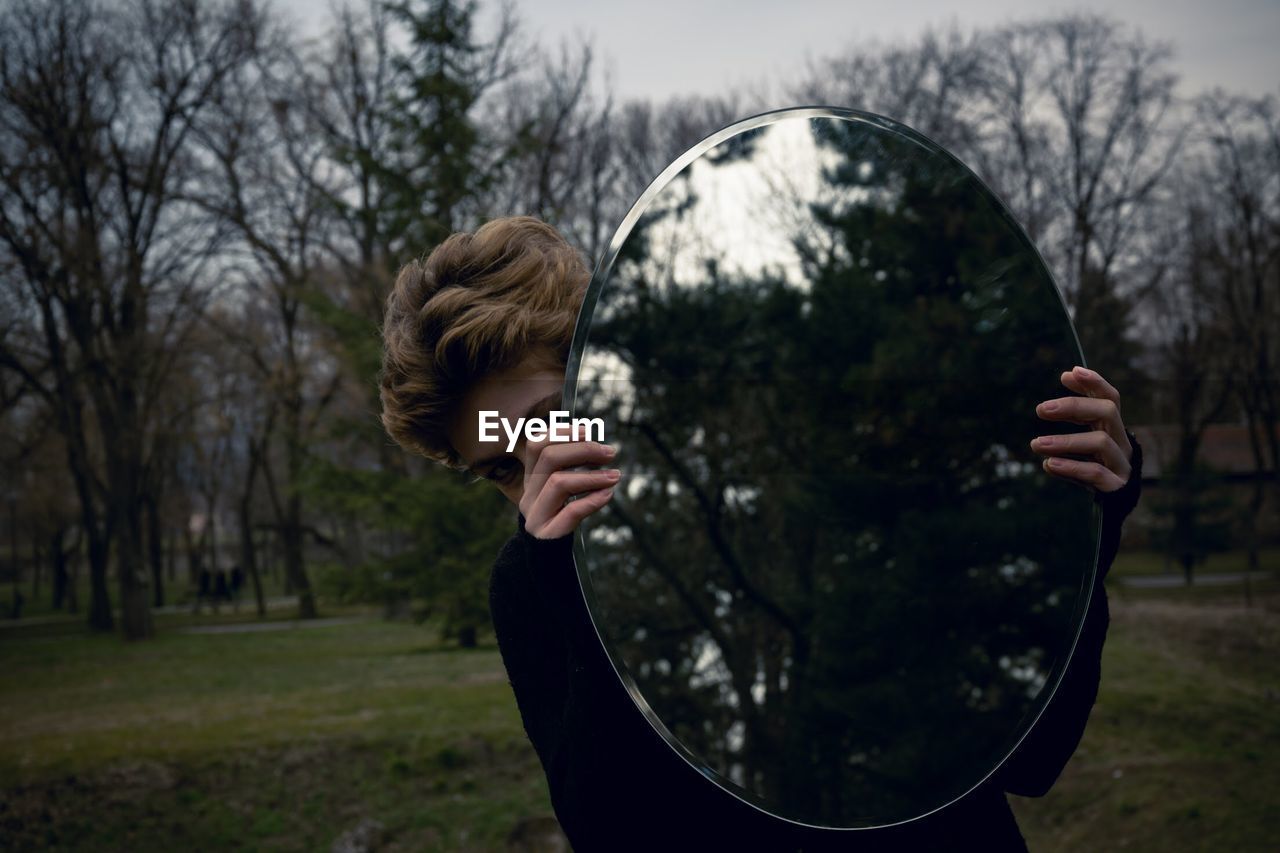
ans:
(443, 72)
(430, 176)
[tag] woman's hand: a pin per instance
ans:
(549, 484)
(1105, 447)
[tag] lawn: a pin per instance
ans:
(1182, 751)
(286, 739)
(1150, 562)
(279, 740)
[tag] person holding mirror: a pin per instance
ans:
(485, 324)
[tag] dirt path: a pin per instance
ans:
(1175, 580)
(255, 627)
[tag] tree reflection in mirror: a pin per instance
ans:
(835, 578)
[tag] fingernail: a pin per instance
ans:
(1083, 371)
(1043, 441)
(608, 494)
(609, 450)
(1050, 405)
(613, 473)
(1055, 463)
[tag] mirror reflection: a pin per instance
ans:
(835, 577)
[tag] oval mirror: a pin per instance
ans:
(835, 578)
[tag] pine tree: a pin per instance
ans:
(443, 73)
(431, 173)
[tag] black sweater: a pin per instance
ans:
(616, 785)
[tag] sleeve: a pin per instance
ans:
(614, 783)
(533, 652)
(1040, 758)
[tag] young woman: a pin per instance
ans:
(485, 323)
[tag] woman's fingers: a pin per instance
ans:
(1082, 380)
(561, 486)
(547, 457)
(1096, 444)
(1090, 383)
(1093, 411)
(550, 481)
(1093, 474)
(1107, 443)
(567, 520)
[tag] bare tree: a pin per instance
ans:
(1189, 351)
(1240, 240)
(230, 444)
(930, 84)
(347, 89)
(560, 158)
(264, 163)
(347, 86)
(649, 136)
(1080, 128)
(97, 102)
(35, 462)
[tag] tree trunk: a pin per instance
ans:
(211, 537)
(249, 556)
(295, 570)
(155, 549)
(271, 547)
(1256, 498)
(195, 561)
(58, 558)
(135, 607)
(97, 530)
(73, 579)
(36, 561)
(289, 510)
(171, 553)
(13, 545)
(1255, 508)
(13, 559)
(100, 618)
(248, 553)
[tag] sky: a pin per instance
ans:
(660, 48)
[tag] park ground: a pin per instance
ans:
(287, 739)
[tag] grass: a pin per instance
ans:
(283, 740)
(1148, 562)
(278, 740)
(1182, 751)
(178, 591)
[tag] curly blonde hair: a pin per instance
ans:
(478, 304)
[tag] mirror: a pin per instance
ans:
(834, 576)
